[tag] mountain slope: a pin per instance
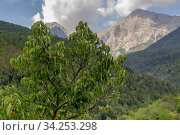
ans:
(140, 90)
(10, 27)
(138, 30)
(12, 41)
(162, 59)
(58, 30)
(166, 108)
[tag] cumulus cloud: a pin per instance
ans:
(108, 23)
(124, 7)
(111, 22)
(36, 17)
(110, 4)
(69, 12)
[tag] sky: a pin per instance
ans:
(100, 14)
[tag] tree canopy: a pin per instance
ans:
(62, 81)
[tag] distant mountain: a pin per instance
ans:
(138, 30)
(162, 59)
(58, 30)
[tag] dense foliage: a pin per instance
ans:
(62, 82)
(9, 27)
(139, 90)
(11, 45)
(12, 42)
(166, 108)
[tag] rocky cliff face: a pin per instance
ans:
(58, 30)
(137, 31)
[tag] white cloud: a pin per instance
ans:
(109, 23)
(110, 4)
(69, 12)
(36, 17)
(124, 7)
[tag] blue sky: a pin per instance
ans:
(99, 14)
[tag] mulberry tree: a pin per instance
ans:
(66, 81)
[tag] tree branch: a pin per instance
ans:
(81, 67)
(57, 100)
(56, 110)
(51, 82)
(105, 94)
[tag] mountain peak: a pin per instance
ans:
(59, 30)
(55, 24)
(145, 14)
(137, 11)
(138, 30)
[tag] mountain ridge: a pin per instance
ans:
(138, 31)
(14, 28)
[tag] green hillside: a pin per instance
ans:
(12, 42)
(10, 27)
(166, 108)
(161, 59)
(140, 90)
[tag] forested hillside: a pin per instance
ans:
(160, 59)
(10, 27)
(12, 42)
(166, 108)
(140, 90)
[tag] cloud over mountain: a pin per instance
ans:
(124, 7)
(69, 12)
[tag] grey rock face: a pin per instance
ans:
(137, 31)
(58, 30)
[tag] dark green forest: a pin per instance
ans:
(161, 59)
(10, 27)
(141, 97)
(139, 91)
(12, 42)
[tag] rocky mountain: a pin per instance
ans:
(138, 30)
(58, 30)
